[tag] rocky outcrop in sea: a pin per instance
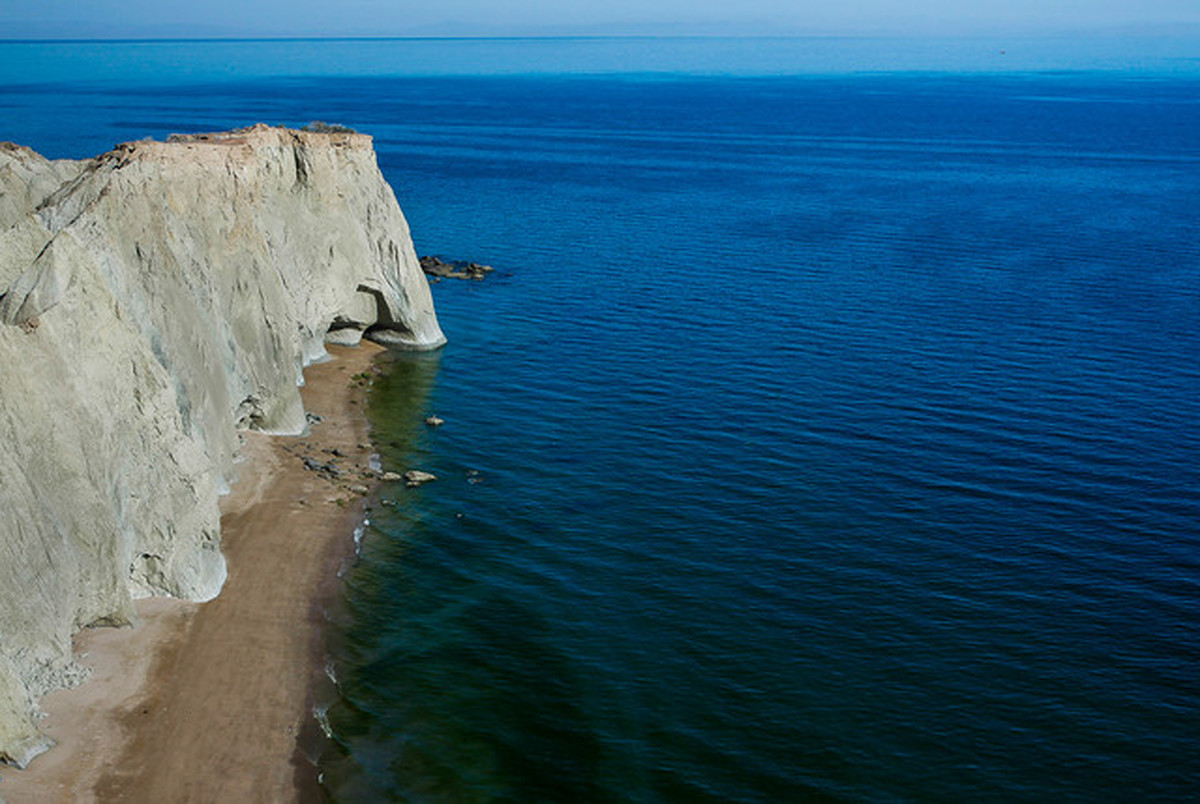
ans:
(455, 269)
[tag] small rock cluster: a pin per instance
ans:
(455, 269)
(329, 463)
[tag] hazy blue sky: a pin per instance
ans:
(104, 18)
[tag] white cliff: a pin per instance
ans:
(156, 299)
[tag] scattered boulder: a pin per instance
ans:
(390, 477)
(415, 477)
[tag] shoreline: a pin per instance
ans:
(213, 701)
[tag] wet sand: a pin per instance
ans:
(205, 702)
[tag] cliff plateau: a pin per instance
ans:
(153, 301)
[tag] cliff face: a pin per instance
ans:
(155, 300)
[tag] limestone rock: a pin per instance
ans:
(344, 336)
(36, 290)
(415, 477)
(19, 737)
(153, 300)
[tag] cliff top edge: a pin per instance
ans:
(258, 135)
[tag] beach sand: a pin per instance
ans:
(206, 702)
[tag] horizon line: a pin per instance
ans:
(1049, 33)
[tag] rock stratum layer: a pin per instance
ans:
(155, 300)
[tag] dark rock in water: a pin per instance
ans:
(455, 269)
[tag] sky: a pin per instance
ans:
(20, 19)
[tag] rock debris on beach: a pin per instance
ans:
(331, 470)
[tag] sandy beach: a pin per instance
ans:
(205, 702)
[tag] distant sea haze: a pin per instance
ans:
(825, 432)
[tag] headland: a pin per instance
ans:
(158, 305)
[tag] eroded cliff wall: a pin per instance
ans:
(156, 299)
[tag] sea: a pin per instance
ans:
(828, 429)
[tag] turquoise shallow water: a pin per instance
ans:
(822, 435)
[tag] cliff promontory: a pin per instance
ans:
(153, 301)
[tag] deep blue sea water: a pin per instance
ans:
(828, 430)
